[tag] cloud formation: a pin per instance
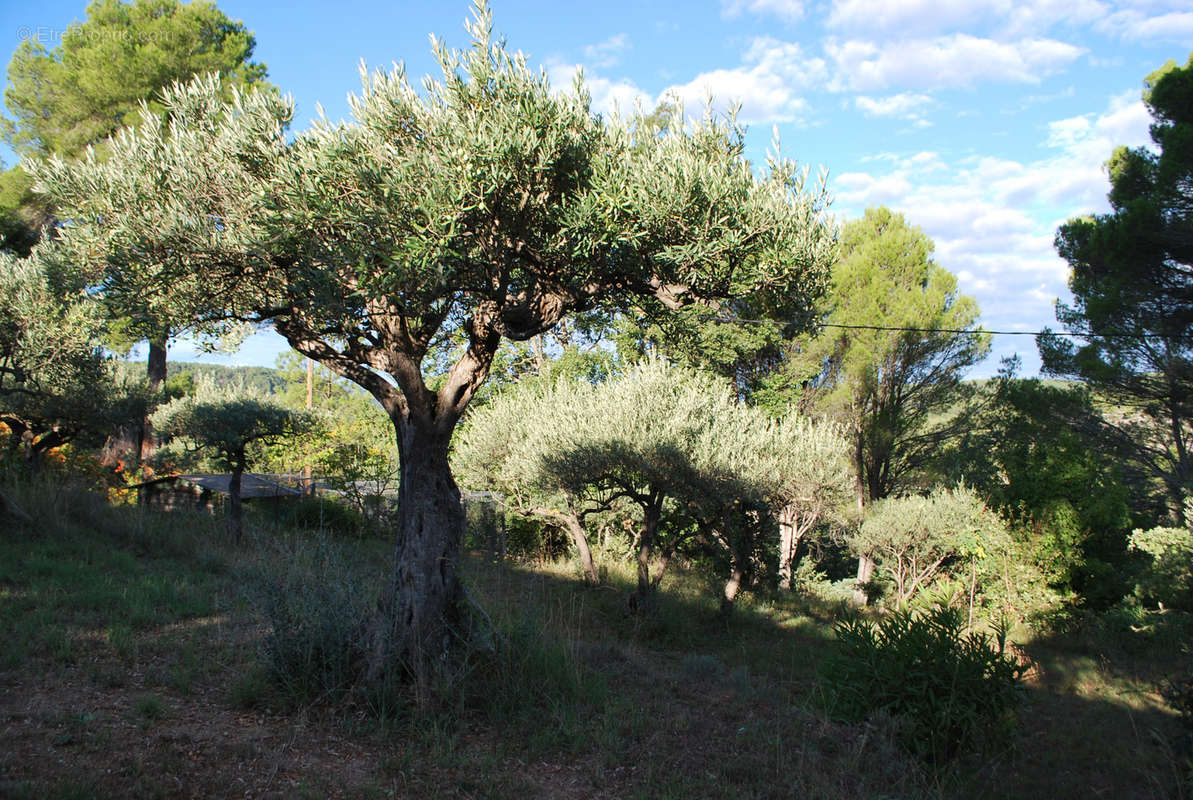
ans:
(608, 52)
(993, 219)
(769, 84)
(954, 61)
(789, 10)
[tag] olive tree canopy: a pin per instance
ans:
(55, 383)
(488, 205)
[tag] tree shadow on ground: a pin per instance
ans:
(1092, 724)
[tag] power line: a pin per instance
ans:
(1141, 336)
(895, 329)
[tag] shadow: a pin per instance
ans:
(1092, 724)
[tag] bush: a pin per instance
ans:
(531, 539)
(949, 691)
(1167, 577)
(528, 672)
(316, 604)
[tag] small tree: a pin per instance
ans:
(893, 362)
(644, 440)
(810, 479)
(228, 425)
(494, 453)
(913, 537)
(668, 443)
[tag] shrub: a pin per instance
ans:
(1167, 578)
(949, 691)
(316, 605)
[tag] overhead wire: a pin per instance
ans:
(897, 329)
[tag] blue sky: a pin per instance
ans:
(985, 122)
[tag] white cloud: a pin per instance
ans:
(789, 10)
(767, 84)
(993, 219)
(1133, 24)
(957, 60)
(1038, 16)
(608, 52)
(906, 105)
(1091, 138)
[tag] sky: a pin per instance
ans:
(984, 122)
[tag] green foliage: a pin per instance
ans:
(886, 386)
(316, 605)
(914, 537)
(665, 447)
(122, 55)
(1038, 452)
(950, 691)
(326, 515)
(318, 600)
(22, 212)
(531, 675)
(55, 383)
(1132, 297)
(531, 539)
(86, 569)
(223, 425)
(226, 423)
(1166, 579)
(255, 380)
(807, 464)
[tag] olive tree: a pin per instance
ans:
(55, 383)
(494, 453)
(227, 424)
(487, 206)
(913, 537)
(652, 439)
(809, 477)
(669, 445)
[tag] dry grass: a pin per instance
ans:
(133, 669)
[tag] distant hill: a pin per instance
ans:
(260, 380)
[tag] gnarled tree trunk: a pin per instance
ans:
(419, 608)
